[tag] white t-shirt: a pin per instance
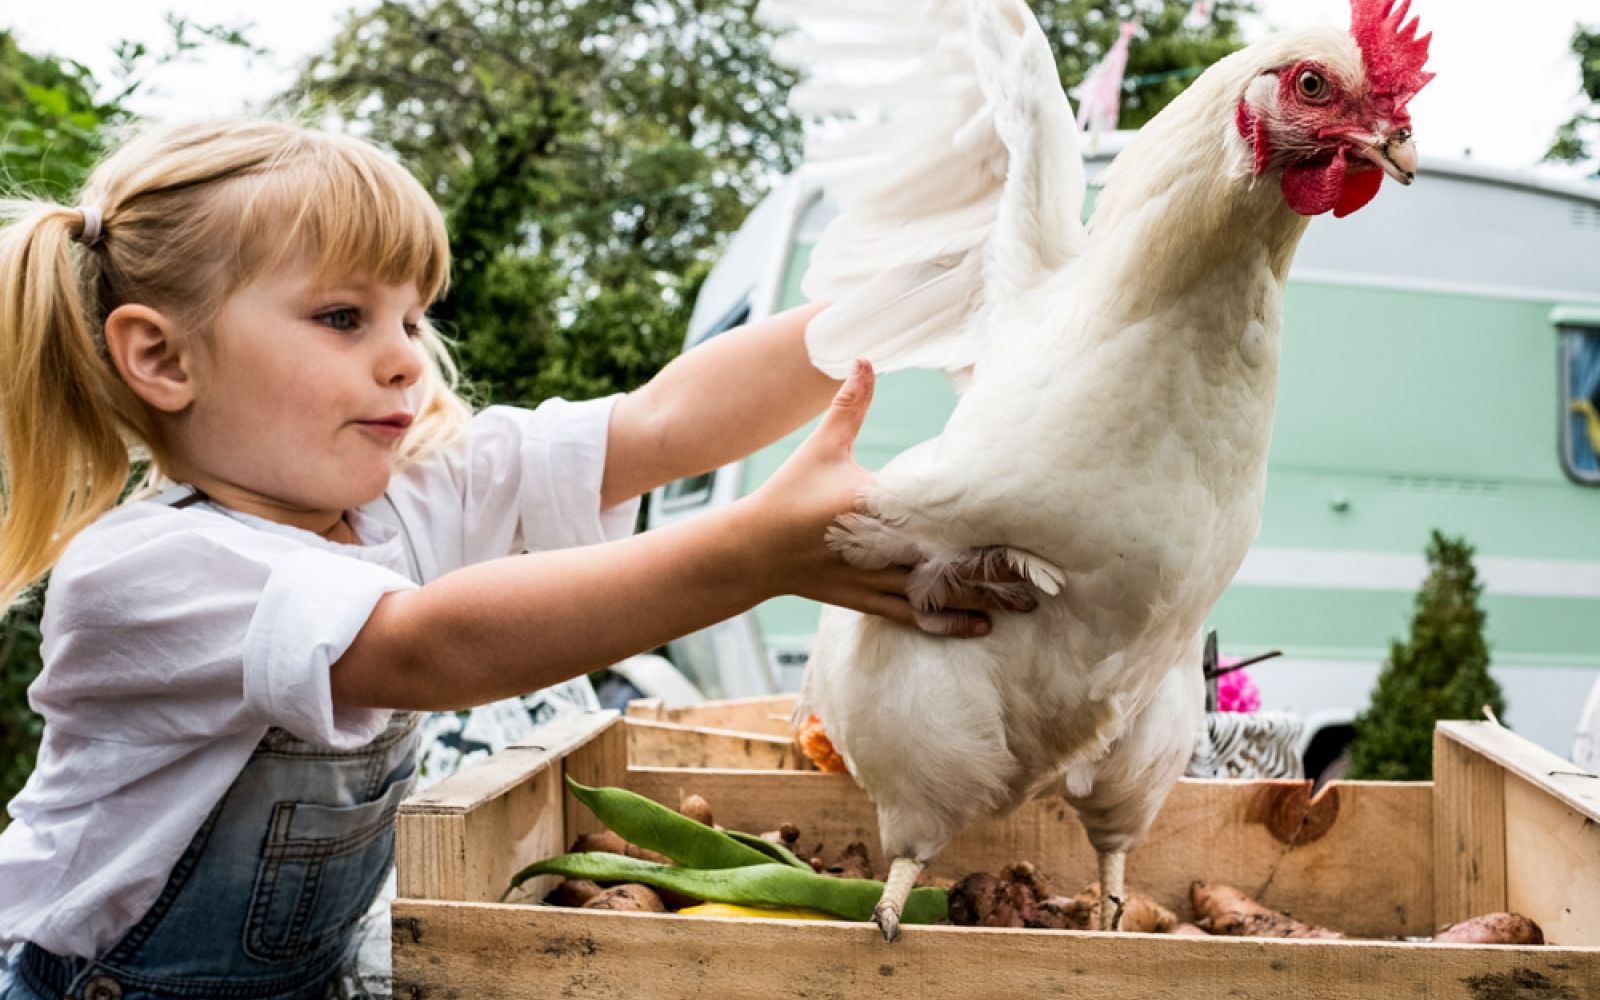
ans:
(174, 638)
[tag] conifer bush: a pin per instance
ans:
(1440, 672)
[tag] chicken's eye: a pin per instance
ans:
(1313, 86)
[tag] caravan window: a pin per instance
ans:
(1580, 402)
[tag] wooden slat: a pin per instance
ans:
(599, 761)
(1469, 831)
(673, 744)
(533, 953)
(1552, 864)
(1368, 873)
(769, 714)
(463, 838)
(1555, 776)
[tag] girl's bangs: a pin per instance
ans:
(357, 213)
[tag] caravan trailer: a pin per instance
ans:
(1440, 369)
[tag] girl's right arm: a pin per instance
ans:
(513, 625)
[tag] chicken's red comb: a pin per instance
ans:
(1391, 51)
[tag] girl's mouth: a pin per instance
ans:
(392, 426)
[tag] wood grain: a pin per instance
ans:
(1368, 872)
(1552, 864)
(465, 837)
(674, 744)
(1469, 833)
(535, 953)
(769, 714)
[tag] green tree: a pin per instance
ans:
(1574, 141)
(55, 121)
(1165, 56)
(49, 141)
(591, 155)
(1440, 672)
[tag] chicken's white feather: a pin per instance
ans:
(1114, 429)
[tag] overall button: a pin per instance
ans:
(102, 988)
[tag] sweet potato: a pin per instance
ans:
(1022, 897)
(1140, 914)
(629, 898)
(696, 808)
(1222, 909)
(573, 892)
(612, 843)
(1492, 928)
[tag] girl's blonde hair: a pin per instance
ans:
(190, 214)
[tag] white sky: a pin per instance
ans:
(1506, 76)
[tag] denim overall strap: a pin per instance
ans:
(265, 900)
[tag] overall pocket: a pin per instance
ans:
(321, 868)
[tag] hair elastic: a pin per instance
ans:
(92, 225)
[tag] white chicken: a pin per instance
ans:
(1118, 387)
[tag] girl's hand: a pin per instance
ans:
(822, 481)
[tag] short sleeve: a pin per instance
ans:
(312, 607)
(520, 480)
(178, 625)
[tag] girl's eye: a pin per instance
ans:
(1313, 86)
(343, 320)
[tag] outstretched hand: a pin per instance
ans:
(820, 482)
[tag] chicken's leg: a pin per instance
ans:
(903, 874)
(1111, 894)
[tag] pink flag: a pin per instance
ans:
(1200, 14)
(1100, 101)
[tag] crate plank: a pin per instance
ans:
(1359, 861)
(768, 714)
(533, 953)
(1556, 776)
(598, 761)
(466, 836)
(1469, 834)
(673, 744)
(1552, 864)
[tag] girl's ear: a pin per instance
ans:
(152, 357)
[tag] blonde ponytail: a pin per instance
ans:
(184, 216)
(63, 411)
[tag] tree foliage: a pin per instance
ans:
(591, 155)
(1440, 672)
(1164, 58)
(1579, 139)
(55, 121)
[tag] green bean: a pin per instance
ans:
(775, 851)
(649, 824)
(770, 885)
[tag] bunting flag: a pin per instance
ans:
(1100, 97)
(1200, 14)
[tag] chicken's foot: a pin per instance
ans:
(903, 874)
(1112, 896)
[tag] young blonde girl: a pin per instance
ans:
(329, 541)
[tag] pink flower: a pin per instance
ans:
(1236, 692)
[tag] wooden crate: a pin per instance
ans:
(1506, 825)
(770, 715)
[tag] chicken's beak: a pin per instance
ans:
(1396, 155)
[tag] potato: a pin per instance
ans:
(1492, 928)
(630, 898)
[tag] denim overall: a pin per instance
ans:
(265, 900)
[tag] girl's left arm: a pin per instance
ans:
(735, 393)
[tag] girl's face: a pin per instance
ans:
(303, 396)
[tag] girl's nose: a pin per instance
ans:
(402, 359)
